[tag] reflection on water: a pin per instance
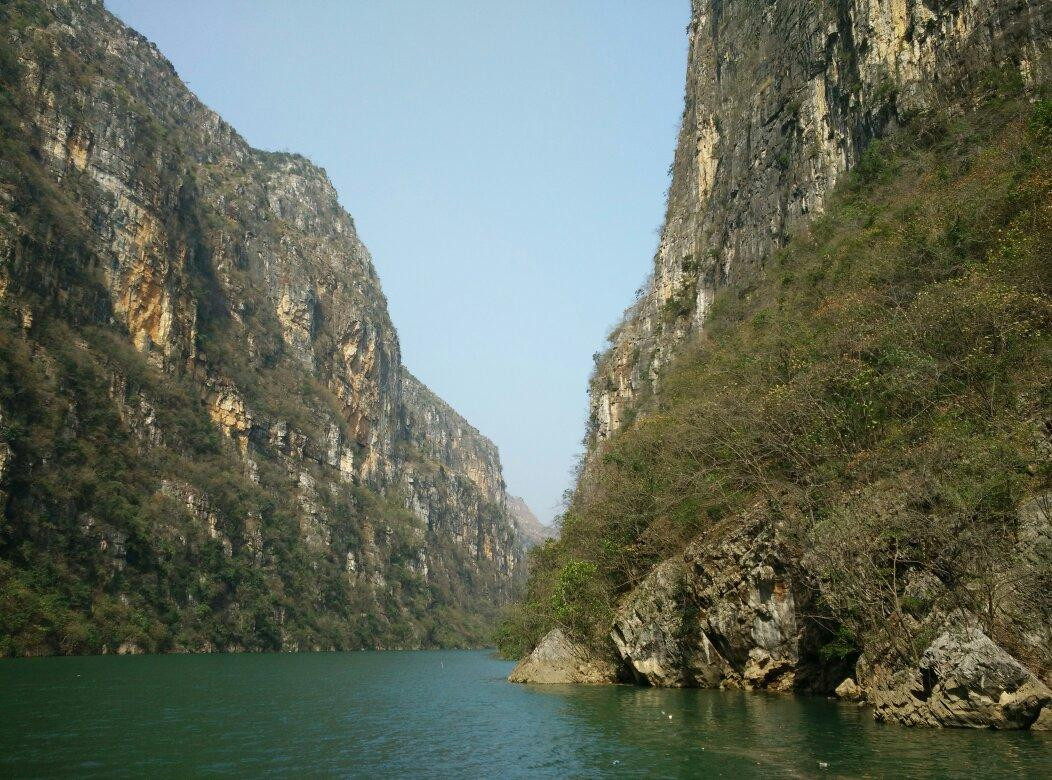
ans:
(754, 734)
(445, 714)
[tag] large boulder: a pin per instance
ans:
(721, 615)
(648, 629)
(742, 591)
(963, 679)
(556, 659)
(848, 690)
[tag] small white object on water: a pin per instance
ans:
(670, 717)
(823, 765)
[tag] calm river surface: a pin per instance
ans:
(442, 714)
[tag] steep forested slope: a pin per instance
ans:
(207, 438)
(820, 439)
(885, 383)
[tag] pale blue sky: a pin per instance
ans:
(504, 160)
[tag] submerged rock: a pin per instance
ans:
(964, 679)
(557, 659)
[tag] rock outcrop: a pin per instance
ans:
(964, 679)
(649, 631)
(848, 690)
(721, 615)
(558, 660)
(131, 214)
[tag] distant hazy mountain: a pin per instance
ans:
(531, 530)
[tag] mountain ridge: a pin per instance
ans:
(530, 528)
(198, 286)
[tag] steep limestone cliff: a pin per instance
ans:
(818, 445)
(210, 286)
(781, 100)
(465, 490)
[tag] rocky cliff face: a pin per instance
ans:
(781, 100)
(133, 212)
(722, 614)
(698, 548)
(467, 488)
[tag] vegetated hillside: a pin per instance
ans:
(816, 440)
(207, 438)
(780, 101)
(870, 410)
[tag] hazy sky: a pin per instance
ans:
(504, 160)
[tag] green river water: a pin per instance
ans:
(445, 714)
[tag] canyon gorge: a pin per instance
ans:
(818, 448)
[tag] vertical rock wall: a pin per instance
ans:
(781, 99)
(235, 270)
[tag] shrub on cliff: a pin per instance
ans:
(882, 387)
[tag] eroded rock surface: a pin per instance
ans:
(964, 679)
(558, 660)
(648, 629)
(723, 614)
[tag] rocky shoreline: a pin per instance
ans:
(735, 610)
(963, 680)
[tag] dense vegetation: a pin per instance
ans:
(98, 547)
(881, 389)
(126, 518)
